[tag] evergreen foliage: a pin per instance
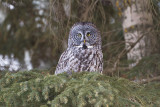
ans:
(38, 88)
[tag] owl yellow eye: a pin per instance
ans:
(88, 34)
(79, 35)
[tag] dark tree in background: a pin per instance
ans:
(26, 28)
(42, 27)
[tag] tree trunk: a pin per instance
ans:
(137, 25)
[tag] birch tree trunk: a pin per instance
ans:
(137, 25)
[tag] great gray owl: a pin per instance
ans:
(84, 51)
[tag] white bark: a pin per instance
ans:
(139, 20)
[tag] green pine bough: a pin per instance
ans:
(39, 89)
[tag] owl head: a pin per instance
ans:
(84, 35)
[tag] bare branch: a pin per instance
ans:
(144, 81)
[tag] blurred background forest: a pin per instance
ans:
(34, 33)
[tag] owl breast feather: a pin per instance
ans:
(78, 60)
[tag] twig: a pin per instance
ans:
(115, 30)
(111, 70)
(144, 81)
(112, 43)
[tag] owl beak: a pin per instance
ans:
(84, 41)
(84, 45)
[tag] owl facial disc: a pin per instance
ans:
(84, 35)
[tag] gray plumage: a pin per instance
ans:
(84, 50)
